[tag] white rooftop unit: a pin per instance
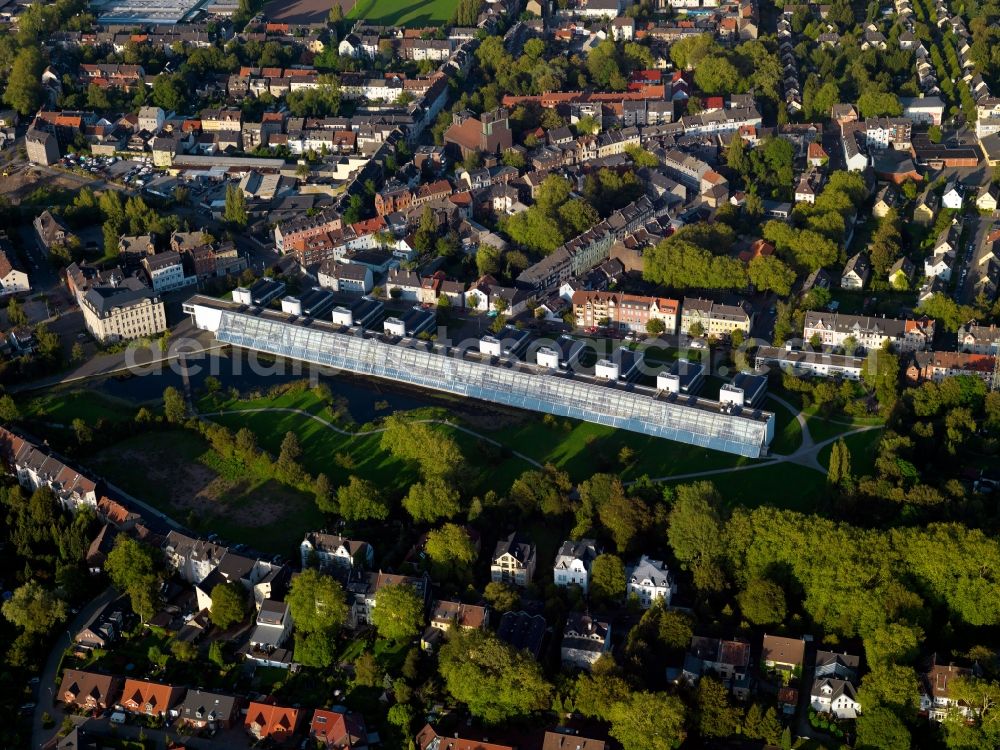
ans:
(242, 296)
(731, 394)
(546, 357)
(291, 305)
(341, 316)
(668, 382)
(606, 369)
(394, 326)
(490, 345)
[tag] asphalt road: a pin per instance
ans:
(47, 679)
(980, 249)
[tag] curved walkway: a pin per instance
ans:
(807, 454)
(354, 433)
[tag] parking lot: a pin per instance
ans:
(135, 172)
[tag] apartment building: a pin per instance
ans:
(129, 310)
(630, 312)
(833, 329)
(715, 319)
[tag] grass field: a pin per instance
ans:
(62, 407)
(403, 13)
(179, 473)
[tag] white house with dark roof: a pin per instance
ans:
(573, 563)
(513, 561)
(834, 696)
(649, 582)
(335, 550)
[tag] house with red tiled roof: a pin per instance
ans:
(339, 730)
(429, 739)
(937, 701)
(150, 698)
(267, 721)
(90, 691)
(759, 249)
(445, 614)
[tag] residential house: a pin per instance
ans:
(105, 626)
(856, 272)
(523, 631)
(377, 581)
(937, 366)
(348, 278)
(271, 631)
(52, 231)
(840, 666)
(12, 279)
(268, 721)
(513, 561)
(88, 691)
(204, 710)
(445, 614)
(429, 739)
(573, 563)
(936, 699)
(988, 197)
(728, 661)
(192, 558)
(979, 339)
(927, 207)
(886, 200)
(570, 739)
(584, 641)
(334, 550)
(150, 698)
(232, 568)
(649, 582)
(809, 363)
(953, 196)
(166, 271)
(404, 285)
(339, 730)
(901, 273)
(783, 654)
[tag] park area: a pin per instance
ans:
(376, 12)
(177, 471)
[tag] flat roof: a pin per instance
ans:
(461, 370)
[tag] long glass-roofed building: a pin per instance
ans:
(687, 419)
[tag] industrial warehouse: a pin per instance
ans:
(549, 383)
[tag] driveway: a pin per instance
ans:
(47, 679)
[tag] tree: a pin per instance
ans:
(235, 211)
(229, 605)
(717, 717)
(762, 602)
(288, 456)
(169, 92)
(451, 552)
(366, 671)
(694, 530)
(879, 104)
(24, 83)
(767, 272)
(496, 681)
(839, 472)
(398, 612)
(174, 407)
(934, 133)
(317, 603)
(488, 260)
(34, 608)
(598, 691)
(881, 729)
(184, 651)
(546, 490)
(134, 570)
(607, 578)
(648, 721)
(501, 596)
(434, 451)
(432, 500)
(361, 500)
(9, 410)
(655, 327)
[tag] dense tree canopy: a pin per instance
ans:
(398, 613)
(496, 681)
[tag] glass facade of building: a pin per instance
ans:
(746, 433)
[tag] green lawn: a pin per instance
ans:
(823, 429)
(787, 430)
(63, 406)
(862, 447)
(779, 485)
(179, 473)
(403, 13)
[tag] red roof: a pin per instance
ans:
(266, 720)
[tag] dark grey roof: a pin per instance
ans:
(522, 631)
(103, 299)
